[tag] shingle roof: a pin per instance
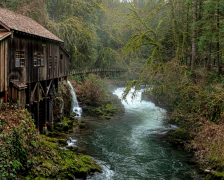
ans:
(4, 35)
(18, 84)
(24, 24)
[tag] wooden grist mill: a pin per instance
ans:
(32, 62)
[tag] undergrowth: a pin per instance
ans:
(18, 138)
(55, 163)
(90, 90)
(195, 102)
(62, 101)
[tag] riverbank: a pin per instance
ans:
(194, 101)
(95, 97)
(27, 155)
(130, 145)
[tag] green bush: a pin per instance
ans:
(17, 142)
(91, 90)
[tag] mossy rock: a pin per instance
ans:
(64, 125)
(82, 125)
(62, 141)
(53, 163)
(70, 131)
(103, 111)
(72, 148)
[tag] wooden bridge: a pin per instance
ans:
(103, 72)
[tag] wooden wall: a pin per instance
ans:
(31, 73)
(64, 63)
(3, 64)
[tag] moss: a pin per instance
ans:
(178, 136)
(219, 174)
(55, 163)
(64, 125)
(105, 111)
(17, 141)
(82, 125)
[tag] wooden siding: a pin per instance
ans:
(3, 65)
(31, 73)
(63, 67)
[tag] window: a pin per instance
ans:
(35, 59)
(61, 56)
(55, 61)
(50, 63)
(42, 59)
(20, 58)
(38, 59)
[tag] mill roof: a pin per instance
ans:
(14, 21)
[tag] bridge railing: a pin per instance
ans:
(95, 70)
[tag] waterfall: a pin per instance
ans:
(75, 105)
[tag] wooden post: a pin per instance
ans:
(56, 85)
(30, 100)
(66, 78)
(45, 119)
(5, 97)
(52, 114)
(38, 106)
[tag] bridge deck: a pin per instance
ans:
(96, 70)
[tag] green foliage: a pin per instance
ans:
(53, 163)
(91, 90)
(213, 78)
(104, 111)
(62, 101)
(17, 142)
(64, 125)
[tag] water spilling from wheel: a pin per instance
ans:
(131, 148)
(75, 105)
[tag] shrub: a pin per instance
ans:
(17, 141)
(91, 90)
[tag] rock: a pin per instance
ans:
(63, 148)
(82, 125)
(72, 148)
(62, 141)
(207, 171)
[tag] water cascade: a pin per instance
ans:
(71, 142)
(75, 105)
(132, 146)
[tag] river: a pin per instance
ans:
(130, 148)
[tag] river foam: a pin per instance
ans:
(128, 147)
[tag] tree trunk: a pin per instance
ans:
(187, 36)
(218, 64)
(209, 56)
(194, 36)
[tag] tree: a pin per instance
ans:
(194, 36)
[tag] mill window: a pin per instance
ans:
(50, 62)
(35, 59)
(55, 61)
(42, 59)
(61, 56)
(20, 58)
(38, 59)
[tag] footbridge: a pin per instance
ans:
(102, 72)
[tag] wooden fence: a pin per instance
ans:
(99, 71)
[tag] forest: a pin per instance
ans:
(100, 33)
(176, 46)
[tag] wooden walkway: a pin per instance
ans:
(100, 71)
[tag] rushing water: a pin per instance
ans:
(75, 105)
(128, 147)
